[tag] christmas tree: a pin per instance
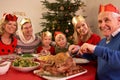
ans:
(59, 16)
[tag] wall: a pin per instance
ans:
(33, 9)
(24, 8)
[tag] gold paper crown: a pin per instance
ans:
(46, 33)
(25, 20)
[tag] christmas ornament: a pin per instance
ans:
(66, 30)
(61, 8)
(53, 27)
(66, 14)
(54, 22)
(71, 37)
(69, 23)
(69, 7)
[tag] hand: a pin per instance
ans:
(19, 50)
(44, 52)
(87, 48)
(73, 48)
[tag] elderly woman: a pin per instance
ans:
(8, 27)
(27, 41)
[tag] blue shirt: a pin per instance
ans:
(109, 58)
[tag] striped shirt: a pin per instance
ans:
(28, 47)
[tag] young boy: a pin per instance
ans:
(61, 42)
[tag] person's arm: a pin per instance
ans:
(112, 57)
(73, 48)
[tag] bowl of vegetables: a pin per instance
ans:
(25, 65)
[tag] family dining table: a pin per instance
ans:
(13, 74)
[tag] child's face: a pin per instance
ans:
(61, 41)
(46, 40)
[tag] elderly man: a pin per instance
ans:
(108, 49)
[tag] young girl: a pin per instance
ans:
(46, 48)
(8, 27)
(61, 42)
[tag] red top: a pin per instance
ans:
(8, 49)
(52, 50)
(94, 39)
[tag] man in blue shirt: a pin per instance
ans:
(108, 49)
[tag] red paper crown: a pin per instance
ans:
(10, 17)
(57, 32)
(108, 7)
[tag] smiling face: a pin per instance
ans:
(27, 29)
(10, 27)
(61, 40)
(46, 40)
(108, 22)
(82, 28)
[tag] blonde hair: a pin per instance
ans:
(46, 33)
(75, 21)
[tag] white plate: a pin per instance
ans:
(9, 57)
(81, 60)
(63, 78)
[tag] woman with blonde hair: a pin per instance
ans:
(82, 33)
(8, 27)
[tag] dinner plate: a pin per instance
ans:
(9, 57)
(62, 78)
(81, 60)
